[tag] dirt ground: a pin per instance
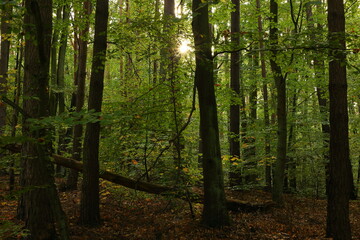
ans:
(127, 214)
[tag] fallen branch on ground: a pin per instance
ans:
(232, 204)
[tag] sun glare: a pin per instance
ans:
(184, 46)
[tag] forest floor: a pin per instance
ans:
(127, 214)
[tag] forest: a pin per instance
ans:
(179, 119)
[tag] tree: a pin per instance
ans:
(280, 84)
(4, 57)
(266, 99)
(40, 204)
(340, 173)
(323, 101)
(80, 79)
(90, 213)
(234, 140)
(214, 213)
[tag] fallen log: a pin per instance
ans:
(232, 204)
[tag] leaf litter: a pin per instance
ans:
(130, 215)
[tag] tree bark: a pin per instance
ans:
(340, 173)
(60, 74)
(290, 175)
(214, 213)
(250, 149)
(268, 179)
(89, 207)
(319, 69)
(60, 77)
(53, 68)
(40, 204)
(15, 113)
(234, 139)
(72, 179)
(277, 194)
(4, 58)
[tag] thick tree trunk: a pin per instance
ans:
(214, 213)
(340, 173)
(4, 58)
(90, 213)
(280, 110)
(80, 94)
(234, 139)
(40, 203)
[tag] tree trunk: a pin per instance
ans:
(214, 213)
(266, 100)
(277, 194)
(4, 58)
(290, 176)
(340, 173)
(61, 57)
(319, 70)
(40, 203)
(15, 114)
(60, 75)
(80, 94)
(53, 68)
(234, 139)
(90, 213)
(249, 140)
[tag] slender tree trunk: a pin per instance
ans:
(319, 70)
(4, 58)
(290, 176)
(15, 115)
(80, 94)
(234, 139)
(277, 193)
(266, 100)
(340, 173)
(168, 68)
(40, 203)
(214, 213)
(60, 75)
(90, 213)
(250, 149)
(61, 57)
(128, 71)
(53, 67)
